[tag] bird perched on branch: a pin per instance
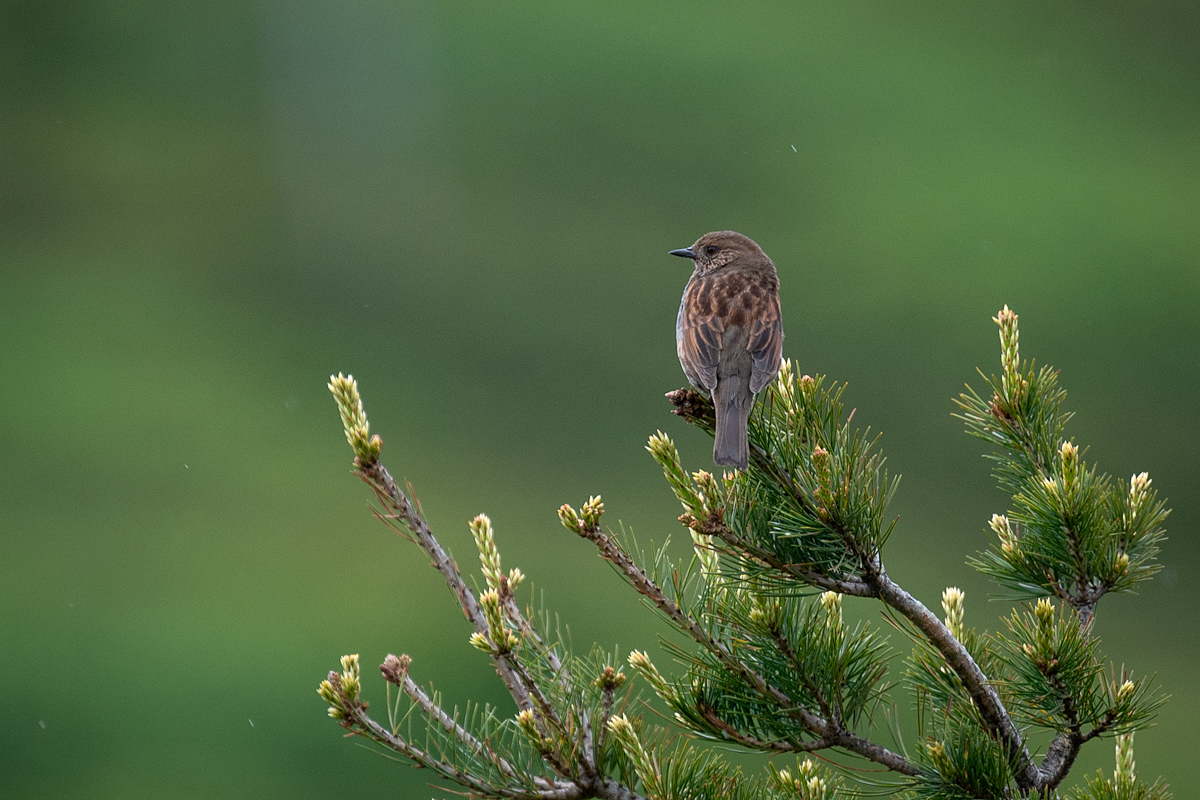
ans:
(729, 333)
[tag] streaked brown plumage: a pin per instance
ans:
(729, 333)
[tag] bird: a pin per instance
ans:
(729, 333)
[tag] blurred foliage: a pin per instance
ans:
(208, 208)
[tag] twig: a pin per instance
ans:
(389, 494)
(559, 790)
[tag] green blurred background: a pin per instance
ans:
(207, 208)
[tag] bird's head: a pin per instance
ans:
(720, 248)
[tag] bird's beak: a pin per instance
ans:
(685, 252)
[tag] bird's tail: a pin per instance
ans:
(733, 401)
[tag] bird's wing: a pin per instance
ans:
(765, 343)
(699, 340)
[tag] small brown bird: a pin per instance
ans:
(729, 333)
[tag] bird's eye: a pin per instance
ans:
(711, 249)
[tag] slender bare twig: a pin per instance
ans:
(524, 690)
(529, 633)
(402, 509)
(434, 711)
(559, 790)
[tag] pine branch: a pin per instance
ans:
(829, 732)
(774, 673)
(400, 510)
(589, 529)
(1073, 533)
(874, 582)
(576, 767)
(991, 708)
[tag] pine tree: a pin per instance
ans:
(774, 667)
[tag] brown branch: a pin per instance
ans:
(733, 734)
(991, 708)
(1062, 752)
(840, 737)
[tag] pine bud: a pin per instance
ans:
(528, 725)
(1125, 691)
(1069, 457)
(570, 519)
(333, 690)
(1005, 533)
(493, 611)
(395, 668)
(824, 477)
(354, 418)
(480, 642)
(785, 384)
(832, 602)
(712, 499)
(808, 388)
(1139, 488)
(667, 456)
(515, 577)
(1125, 775)
(953, 600)
(610, 679)
(591, 512)
(622, 730)
(641, 662)
(350, 684)
(1043, 612)
(489, 555)
(1010, 357)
